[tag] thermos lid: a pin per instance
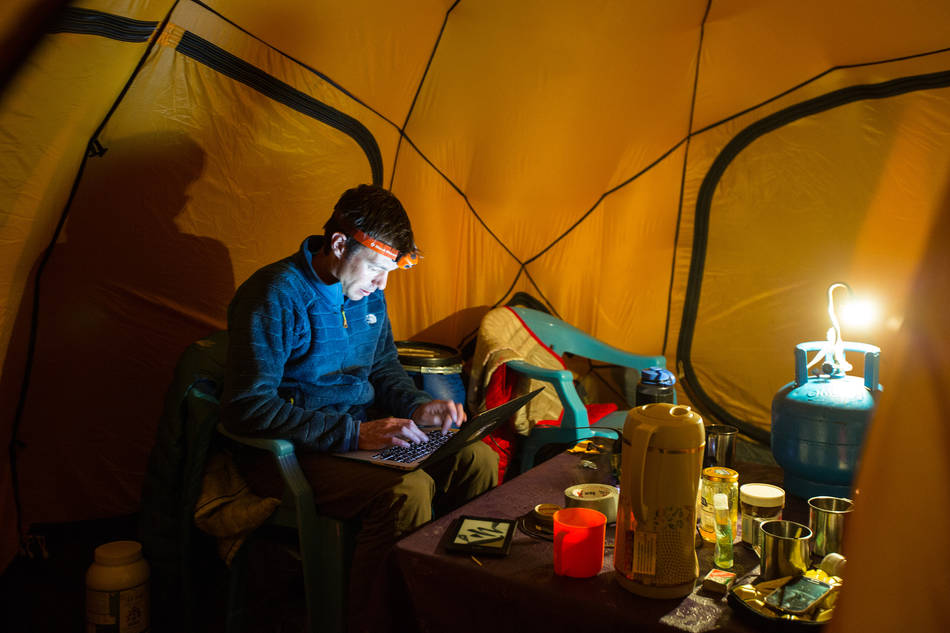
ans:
(417, 356)
(657, 376)
(667, 413)
(678, 427)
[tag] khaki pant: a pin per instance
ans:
(390, 504)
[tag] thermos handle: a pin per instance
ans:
(638, 450)
(872, 355)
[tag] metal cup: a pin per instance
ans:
(785, 550)
(720, 445)
(826, 519)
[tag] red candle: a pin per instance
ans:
(579, 542)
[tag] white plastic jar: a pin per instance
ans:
(758, 503)
(117, 590)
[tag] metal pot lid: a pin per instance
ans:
(422, 354)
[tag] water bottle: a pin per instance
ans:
(656, 385)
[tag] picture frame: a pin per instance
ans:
(487, 536)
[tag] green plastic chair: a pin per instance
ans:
(189, 427)
(325, 545)
(575, 426)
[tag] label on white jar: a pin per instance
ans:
(124, 611)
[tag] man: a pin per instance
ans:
(311, 358)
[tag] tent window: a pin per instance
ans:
(704, 201)
(88, 22)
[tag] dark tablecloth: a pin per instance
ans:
(520, 592)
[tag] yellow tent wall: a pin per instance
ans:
(683, 178)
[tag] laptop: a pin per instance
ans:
(441, 446)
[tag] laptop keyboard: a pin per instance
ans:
(414, 452)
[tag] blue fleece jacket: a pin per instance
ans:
(304, 363)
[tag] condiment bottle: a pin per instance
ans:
(724, 534)
(718, 479)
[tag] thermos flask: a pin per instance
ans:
(655, 554)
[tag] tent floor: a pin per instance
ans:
(47, 595)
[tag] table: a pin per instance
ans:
(521, 593)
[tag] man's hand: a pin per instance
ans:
(376, 434)
(443, 413)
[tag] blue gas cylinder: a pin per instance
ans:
(819, 423)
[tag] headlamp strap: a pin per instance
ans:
(407, 260)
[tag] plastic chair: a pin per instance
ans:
(325, 545)
(564, 338)
(188, 430)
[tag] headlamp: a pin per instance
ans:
(403, 260)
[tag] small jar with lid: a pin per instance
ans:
(758, 503)
(117, 593)
(717, 479)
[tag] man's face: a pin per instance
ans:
(363, 272)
